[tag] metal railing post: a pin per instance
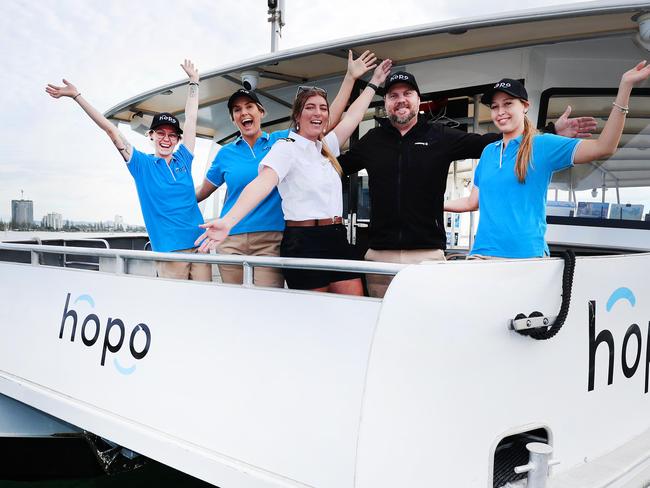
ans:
(35, 257)
(248, 274)
(120, 265)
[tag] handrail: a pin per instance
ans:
(66, 237)
(248, 262)
(91, 239)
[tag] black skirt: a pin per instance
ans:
(325, 242)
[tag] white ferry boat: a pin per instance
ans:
(250, 387)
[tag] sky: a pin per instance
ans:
(115, 49)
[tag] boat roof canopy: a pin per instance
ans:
(281, 72)
(325, 64)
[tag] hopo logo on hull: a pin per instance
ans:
(632, 342)
(91, 330)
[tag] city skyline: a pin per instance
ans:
(25, 207)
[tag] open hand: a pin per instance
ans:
(581, 127)
(364, 63)
(637, 74)
(192, 72)
(215, 232)
(381, 72)
(68, 90)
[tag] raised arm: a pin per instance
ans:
(465, 204)
(69, 90)
(358, 109)
(191, 105)
(217, 230)
(607, 142)
(356, 69)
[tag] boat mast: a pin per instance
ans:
(277, 18)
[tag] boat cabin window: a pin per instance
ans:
(614, 189)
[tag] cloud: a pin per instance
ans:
(115, 50)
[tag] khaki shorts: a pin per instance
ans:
(252, 244)
(378, 284)
(184, 271)
(481, 257)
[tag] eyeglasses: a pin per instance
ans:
(161, 134)
(317, 89)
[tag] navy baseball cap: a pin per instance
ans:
(242, 92)
(165, 118)
(401, 77)
(506, 85)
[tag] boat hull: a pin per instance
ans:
(259, 387)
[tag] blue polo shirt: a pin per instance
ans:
(167, 199)
(237, 165)
(512, 222)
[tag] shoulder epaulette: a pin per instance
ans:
(288, 139)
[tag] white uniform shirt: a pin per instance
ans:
(309, 185)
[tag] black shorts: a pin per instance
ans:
(325, 242)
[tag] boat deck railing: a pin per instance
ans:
(121, 257)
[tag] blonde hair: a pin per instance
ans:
(298, 106)
(325, 151)
(525, 153)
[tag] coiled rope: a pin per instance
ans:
(545, 333)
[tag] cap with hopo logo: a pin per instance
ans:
(506, 85)
(165, 118)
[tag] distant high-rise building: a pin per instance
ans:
(53, 221)
(22, 212)
(119, 222)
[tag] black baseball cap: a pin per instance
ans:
(401, 77)
(242, 92)
(165, 118)
(506, 85)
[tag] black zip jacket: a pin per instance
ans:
(407, 180)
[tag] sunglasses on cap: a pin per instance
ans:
(317, 89)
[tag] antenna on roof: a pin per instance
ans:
(277, 18)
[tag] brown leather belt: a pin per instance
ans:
(313, 222)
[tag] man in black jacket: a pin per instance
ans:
(407, 160)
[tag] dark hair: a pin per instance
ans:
(260, 107)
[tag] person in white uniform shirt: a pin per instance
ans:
(308, 176)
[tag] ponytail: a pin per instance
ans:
(325, 151)
(525, 153)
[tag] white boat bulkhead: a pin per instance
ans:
(253, 387)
